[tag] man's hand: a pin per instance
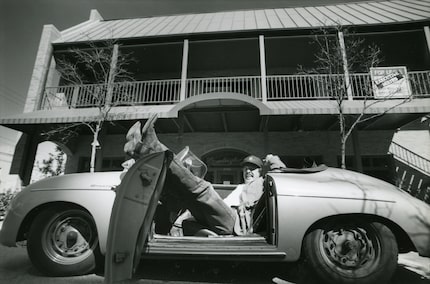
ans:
(176, 231)
(273, 162)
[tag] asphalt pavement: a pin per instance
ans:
(15, 267)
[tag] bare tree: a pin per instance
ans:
(339, 53)
(96, 71)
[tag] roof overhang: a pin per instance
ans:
(232, 112)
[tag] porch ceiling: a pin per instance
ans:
(224, 116)
(249, 120)
(240, 120)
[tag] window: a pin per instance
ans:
(379, 166)
(224, 166)
(108, 164)
(301, 161)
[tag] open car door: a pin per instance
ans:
(132, 214)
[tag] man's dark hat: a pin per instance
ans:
(254, 160)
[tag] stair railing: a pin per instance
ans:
(410, 158)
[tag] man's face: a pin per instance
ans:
(250, 172)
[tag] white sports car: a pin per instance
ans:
(348, 226)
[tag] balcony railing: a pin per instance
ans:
(279, 87)
(123, 93)
(250, 86)
(293, 87)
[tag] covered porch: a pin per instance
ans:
(221, 128)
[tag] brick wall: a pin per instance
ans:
(316, 143)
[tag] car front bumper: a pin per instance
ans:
(10, 228)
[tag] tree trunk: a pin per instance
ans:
(343, 153)
(94, 147)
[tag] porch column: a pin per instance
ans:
(264, 128)
(24, 156)
(112, 71)
(427, 33)
(184, 70)
(263, 69)
(357, 151)
(266, 140)
(181, 126)
(345, 65)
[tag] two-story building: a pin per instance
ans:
(228, 84)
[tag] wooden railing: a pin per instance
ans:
(410, 158)
(123, 93)
(420, 82)
(293, 87)
(249, 85)
(321, 86)
(279, 87)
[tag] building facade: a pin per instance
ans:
(230, 84)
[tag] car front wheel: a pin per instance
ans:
(351, 252)
(63, 242)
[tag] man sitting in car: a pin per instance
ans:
(197, 195)
(241, 200)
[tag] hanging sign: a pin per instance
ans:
(390, 82)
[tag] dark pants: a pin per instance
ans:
(183, 190)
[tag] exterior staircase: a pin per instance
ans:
(413, 172)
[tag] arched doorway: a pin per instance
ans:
(50, 160)
(224, 166)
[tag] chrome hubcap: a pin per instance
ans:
(69, 240)
(348, 248)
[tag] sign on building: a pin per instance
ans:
(57, 100)
(390, 82)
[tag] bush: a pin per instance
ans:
(5, 199)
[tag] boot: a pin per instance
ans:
(201, 199)
(133, 137)
(141, 141)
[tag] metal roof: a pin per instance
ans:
(366, 13)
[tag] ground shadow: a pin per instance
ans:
(209, 271)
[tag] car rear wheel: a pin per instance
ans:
(351, 252)
(63, 242)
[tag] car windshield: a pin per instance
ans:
(192, 162)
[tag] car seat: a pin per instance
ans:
(191, 227)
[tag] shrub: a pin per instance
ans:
(5, 199)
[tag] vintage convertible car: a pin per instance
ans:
(349, 227)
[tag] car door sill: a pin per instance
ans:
(216, 246)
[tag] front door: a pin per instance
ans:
(132, 214)
(224, 166)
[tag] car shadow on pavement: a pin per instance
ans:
(15, 267)
(404, 275)
(243, 272)
(221, 272)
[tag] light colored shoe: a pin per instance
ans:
(133, 137)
